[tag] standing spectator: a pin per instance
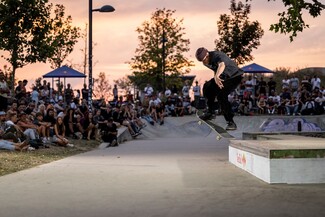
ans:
(68, 94)
(262, 86)
(294, 83)
(20, 91)
(186, 90)
(286, 82)
(249, 84)
(197, 93)
(174, 89)
(115, 93)
(305, 82)
(168, 92)
(45, 94)
(35, 95)
(271, 85)
(315, 82)
(85, 92)
(148, 90)
(4, 92)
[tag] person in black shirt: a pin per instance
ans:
(227, 76)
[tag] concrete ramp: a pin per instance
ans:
(176, 127)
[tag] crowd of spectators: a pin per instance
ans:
(42, 117)
(256, 96)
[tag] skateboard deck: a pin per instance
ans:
(221, 132)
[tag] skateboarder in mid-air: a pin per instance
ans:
(227, 76)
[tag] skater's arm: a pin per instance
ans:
(218, 80)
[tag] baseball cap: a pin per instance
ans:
(201, 53)
(2, 113)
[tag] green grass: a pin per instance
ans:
(14, 161)
(303, 153)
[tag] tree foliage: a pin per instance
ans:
(102, 88)
(124, 84)
(238, 36)
(63, 36)
(291, 21)
(151, 59)
(24, 27)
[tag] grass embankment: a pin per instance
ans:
(14, 161)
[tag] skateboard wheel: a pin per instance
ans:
(218, 137)
(199, 122)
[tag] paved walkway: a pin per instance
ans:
(188, 175)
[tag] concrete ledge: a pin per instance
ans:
(123, 134)
(281, 158)
(264, 135)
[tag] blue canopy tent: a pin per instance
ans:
(64, 72)
(255, 68)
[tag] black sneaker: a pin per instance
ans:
(207, 116)
(231, 126)
(114, 143)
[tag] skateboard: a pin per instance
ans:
(221, 132)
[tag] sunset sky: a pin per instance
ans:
(116, 39)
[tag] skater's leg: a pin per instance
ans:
(210, 90)
(229, 86)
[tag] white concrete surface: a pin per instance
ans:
(188, 175)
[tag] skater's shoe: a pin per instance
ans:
(207, 116)
(231, 126)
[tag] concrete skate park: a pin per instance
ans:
(180, 169)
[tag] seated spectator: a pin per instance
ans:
(281, 108)
(59, 106)
(12, 146)
(121, 116)
(261, 104)
(26, 125)
(43, 128)
(110, 133)
(243, 107)
(187, 106)
(13, 109)
(320, 103)
(59, 134)
(309, 107)
(89, 127)
(160, 113)
(270, 106)
(292, 106)
(170, 106)
(153, 111)
(12, 131)
(179, 108)
(31, 110)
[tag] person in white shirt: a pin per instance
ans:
(315, 82)
(168, 92)
(148, 90)
(186, 90)
(197, 93)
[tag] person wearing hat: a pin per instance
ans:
(227, 76)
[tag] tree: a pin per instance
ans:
(63, 35)
(124, 84)
(24, 28)
(102, 88)
(291, 21)
(238, 36)
(160, 51)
